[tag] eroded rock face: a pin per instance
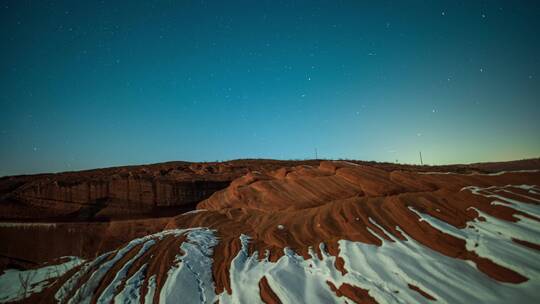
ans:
(123, 192)
(132, 191)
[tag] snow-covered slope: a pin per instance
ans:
(16, 284)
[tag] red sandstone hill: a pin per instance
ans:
(121, 192)
(275, 231)
(157, 189)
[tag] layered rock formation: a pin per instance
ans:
(123, 192)
(331, 232)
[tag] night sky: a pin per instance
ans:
(86, 85)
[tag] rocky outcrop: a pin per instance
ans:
(114, 196)
(167, 189)
(142, 191)
(146, 192)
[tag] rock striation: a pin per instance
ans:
(123, 192)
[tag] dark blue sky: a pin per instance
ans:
(87, 85)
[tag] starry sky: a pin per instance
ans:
(88, 84)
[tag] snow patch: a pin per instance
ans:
(16, 284)
(195, 211)
(85, 292)
(190, 280)
(110, 290)
(132, 290)
(483, 174)
(149, 297)
(492, 192)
